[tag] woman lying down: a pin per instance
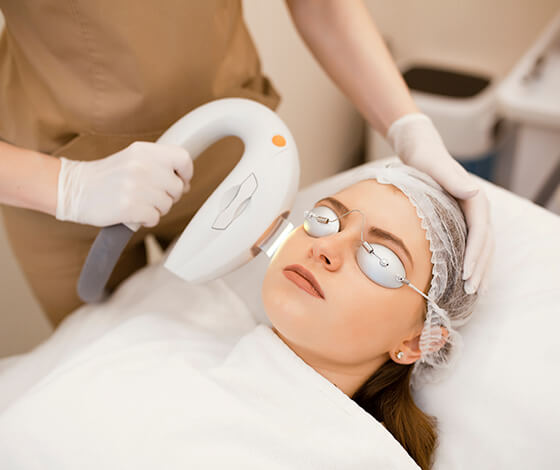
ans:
(364, 301)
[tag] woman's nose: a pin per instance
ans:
(332, 251)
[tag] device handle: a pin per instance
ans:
(102, 258)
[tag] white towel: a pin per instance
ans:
(137, 399)
(210, 316)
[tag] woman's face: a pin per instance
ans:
(358, 322)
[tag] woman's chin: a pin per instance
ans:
(279, 305)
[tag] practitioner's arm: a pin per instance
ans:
(28, 179)
(136, 185)
(343, 38)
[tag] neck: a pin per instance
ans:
(347, 377)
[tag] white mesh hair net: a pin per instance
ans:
(444, 223)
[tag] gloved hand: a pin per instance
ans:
(417, 142)
(137, 185)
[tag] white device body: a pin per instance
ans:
(261, 187)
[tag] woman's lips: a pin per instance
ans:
(303, 279)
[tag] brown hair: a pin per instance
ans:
(386, 396)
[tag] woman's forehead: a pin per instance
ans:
(368, 194)
(386, 207)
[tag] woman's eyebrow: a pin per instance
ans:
(373, 231)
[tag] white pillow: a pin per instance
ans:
(500, 407)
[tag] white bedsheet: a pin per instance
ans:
(197, 385)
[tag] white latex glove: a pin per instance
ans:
(135, 186)
(417, 142)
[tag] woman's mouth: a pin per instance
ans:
(303, 279)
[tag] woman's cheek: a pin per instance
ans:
(366, 307)
(271, 290)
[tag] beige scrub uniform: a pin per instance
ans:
(83, 79)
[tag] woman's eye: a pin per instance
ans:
(317, 228)
(378, 272)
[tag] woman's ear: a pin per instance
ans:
(411, 348)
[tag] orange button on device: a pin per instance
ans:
(278, 140)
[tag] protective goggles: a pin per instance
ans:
(380, 264)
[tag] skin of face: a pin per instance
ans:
(359, 325)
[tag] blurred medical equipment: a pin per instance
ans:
(243, 216)
(497, 409)
(530, 97)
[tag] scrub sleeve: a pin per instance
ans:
(84, 79)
